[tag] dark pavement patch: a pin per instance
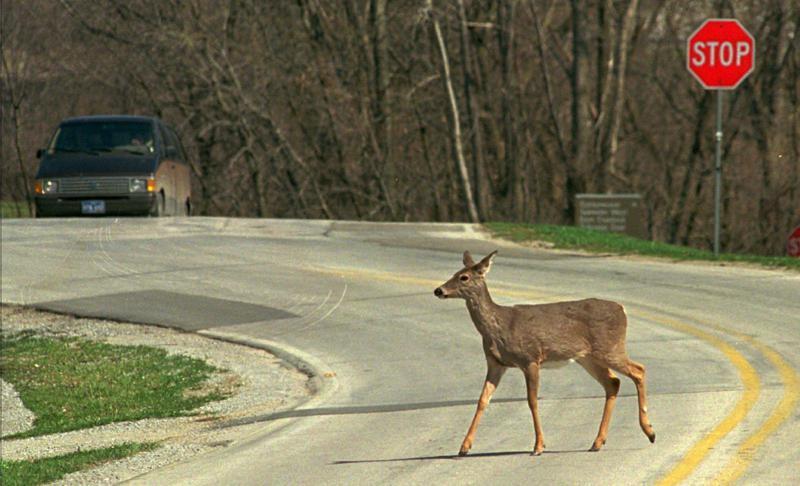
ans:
(164, 308)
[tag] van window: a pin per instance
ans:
(130, 137)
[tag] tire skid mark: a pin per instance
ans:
(26, 290)
(101, 259)
(318, 314)
(126, 270)
(113, 267)
(98, 258)
(333, 309)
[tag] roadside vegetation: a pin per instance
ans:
(575, 238)
(72, 384)
(53, 468)
(12, 209)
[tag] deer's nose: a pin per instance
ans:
(438, 292)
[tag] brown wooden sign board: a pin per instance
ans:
(620, 213)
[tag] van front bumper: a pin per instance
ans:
(115, 205)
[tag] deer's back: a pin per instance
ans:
(569, 330)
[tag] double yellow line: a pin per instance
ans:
(752, 388)
(744, 455)
(791, 393)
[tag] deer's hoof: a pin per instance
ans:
(537, 451)
(597, 445)
(463, 451)
(649, 432)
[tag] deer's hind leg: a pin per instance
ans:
(635, 372)
(610, 383)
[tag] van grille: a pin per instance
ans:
(94, 185)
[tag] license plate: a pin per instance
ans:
(93, 207)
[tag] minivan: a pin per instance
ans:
(113, 165)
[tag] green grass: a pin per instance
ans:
(72, 384)
(41, 471)
(571, 237)
(11, 209)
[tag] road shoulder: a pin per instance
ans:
(261, 383)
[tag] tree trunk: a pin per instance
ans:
(16, 94)
(619, 98)
(581, 120)
(513, 163)
(469, 200)
(482, 183)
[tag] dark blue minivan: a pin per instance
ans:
(113, 165)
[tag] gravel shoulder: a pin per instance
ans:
(260, 384)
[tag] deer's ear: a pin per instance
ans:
(468, 261)
(485, 265)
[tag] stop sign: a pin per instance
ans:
(793, 245)
(720, 53)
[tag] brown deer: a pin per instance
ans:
(529, 337)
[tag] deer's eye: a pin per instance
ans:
(464, 278)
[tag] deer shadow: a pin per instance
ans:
(455, 457)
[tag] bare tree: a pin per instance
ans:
(456, 120)
(15, 69)
(486, 110)
(473, 112)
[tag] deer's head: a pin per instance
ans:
(468, 280)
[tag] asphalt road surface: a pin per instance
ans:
(402, 370)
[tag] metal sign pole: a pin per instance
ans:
(718, 173)
(710, 53)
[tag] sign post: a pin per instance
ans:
(718, 172)
(720, 54)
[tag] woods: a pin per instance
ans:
(425, 110)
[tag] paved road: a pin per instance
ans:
(721, 346)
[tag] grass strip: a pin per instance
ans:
(11, 209)
(575, 238)
(50, 469)
(72, 384)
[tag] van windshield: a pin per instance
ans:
(95, 137)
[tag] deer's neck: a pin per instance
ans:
(484, 312)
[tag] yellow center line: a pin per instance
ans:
(747, 375)
(783, 411)
(380, 276)
(745, 453)
(410, 280)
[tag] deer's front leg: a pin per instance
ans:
(493, 375)
(532, 381)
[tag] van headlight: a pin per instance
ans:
(46, 186)
(138, 185)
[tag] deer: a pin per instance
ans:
(590, 332)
